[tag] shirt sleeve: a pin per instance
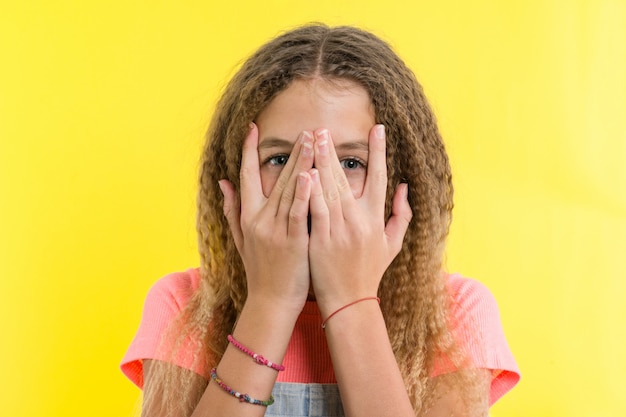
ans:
(164, 302)
(476, 326)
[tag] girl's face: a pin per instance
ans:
(341, 106)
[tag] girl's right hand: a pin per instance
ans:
(271, 233)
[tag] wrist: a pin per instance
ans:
(354, 305)
(279, 293)
(265, 328)
(272, 311)
(330, 302)
(340, 309)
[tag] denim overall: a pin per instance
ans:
(305, 400)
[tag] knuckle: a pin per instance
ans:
(299, 196)
(230, 211)
(281, 183)
(343, 185)
(318, 208)
(247, 226)
(264, 234)
(339, 177)
(296, 217)
(408, 212)
(380, 176)
(331, 195)
(287, 195)
(245, 173)
(317, 192)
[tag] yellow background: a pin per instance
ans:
(103, 106)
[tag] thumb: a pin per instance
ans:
(232, 211)
(401, 216)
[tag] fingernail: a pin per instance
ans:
(314, 175)
(251, 125)
(307, 143)
(219, 183)
(322, 141)
(405, 191)
(379, 131)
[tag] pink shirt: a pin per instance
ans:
(474, 312)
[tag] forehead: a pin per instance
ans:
(342, 106)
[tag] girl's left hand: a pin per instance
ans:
(350, 246)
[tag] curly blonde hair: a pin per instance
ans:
(414, 299)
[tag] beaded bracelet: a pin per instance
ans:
(241, 397)
(257, 358)
(346, 306)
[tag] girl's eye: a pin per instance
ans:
(351, 163)
(277, 160)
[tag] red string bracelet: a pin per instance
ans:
(346, 306)
(257, 358)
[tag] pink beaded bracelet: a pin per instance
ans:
(257, 358)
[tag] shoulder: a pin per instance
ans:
(474, 315)
(174, 290)
(470, 296)
(165, 300)
(475, 323)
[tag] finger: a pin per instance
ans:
(232, 211)
(301, 161)
(375, 189)
(343, 186)
(299, 211)
(401, 215)
(334, 183)
(249, 174)
(320, 224)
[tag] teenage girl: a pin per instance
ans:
(324, 205)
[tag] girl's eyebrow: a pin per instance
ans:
(272, 142)
(353, 146)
